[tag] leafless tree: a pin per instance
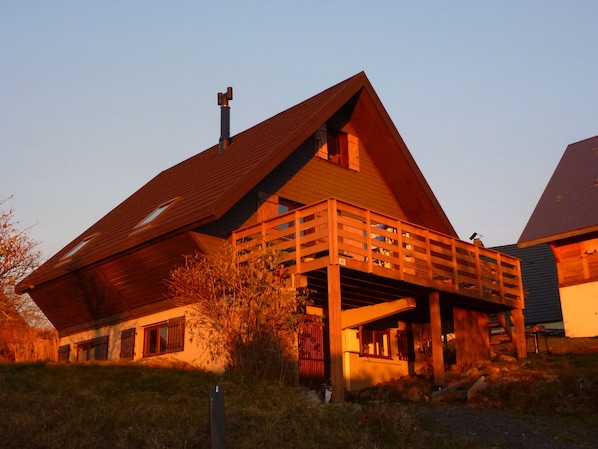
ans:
(19, 255)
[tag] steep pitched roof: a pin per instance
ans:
(569, 205)
(205, 186)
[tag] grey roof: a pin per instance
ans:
(540, 282)
(569, 205)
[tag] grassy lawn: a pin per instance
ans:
(133, 405)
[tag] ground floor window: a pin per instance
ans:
(374, 343)
(164, 337)
(96, 349)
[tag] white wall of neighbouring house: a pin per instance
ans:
(194, 353)
(579, 304)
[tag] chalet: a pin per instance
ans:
(331, 182)
(566, 218)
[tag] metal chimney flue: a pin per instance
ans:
(223, 99)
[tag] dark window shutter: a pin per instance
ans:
(101, 348)
(403, 344)
(127, 344)
(64, 353)
(176, 334)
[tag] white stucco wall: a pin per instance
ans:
(579, 304)
(194, 353)
(361, 372)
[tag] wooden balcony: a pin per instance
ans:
(333, 232)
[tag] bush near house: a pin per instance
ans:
(243, 310)
(24, 343)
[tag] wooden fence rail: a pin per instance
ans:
(336, 232)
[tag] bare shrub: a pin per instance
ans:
(25, 332)
(242, 309)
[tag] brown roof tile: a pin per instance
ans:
(569, 205)
(208, 184)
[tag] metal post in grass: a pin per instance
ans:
(217, 434)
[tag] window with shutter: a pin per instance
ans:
(165, 337)
(403, 338)
(96, 349)
(101, 348)
(375, 343)
(176, 334)
(64, 353)
(127, 344)
(337, 147)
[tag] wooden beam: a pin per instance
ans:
(506, 324)
(362, 315)
(335, 333)
(436, 334)
(519, 337)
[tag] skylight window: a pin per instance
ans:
(155, 214)
(82, 244)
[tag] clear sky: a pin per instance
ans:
(97, 97)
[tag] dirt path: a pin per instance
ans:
(498, 429)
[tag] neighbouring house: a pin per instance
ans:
(540, 284)
(566, 217)
(331, 182)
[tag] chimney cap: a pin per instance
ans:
(225, 97)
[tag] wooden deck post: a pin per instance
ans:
(335, 333)
(436, 334)
(472, 341)
(519, 337)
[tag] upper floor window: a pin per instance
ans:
(337, 147)
(285, 206)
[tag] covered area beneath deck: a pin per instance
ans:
(351, 299)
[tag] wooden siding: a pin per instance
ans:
(319, 179)
(577, 261)
(333, 232)
(305, 179)
(114, 288)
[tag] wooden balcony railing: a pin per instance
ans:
(336, 232)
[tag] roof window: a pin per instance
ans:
(82, 244)
(154, 215)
